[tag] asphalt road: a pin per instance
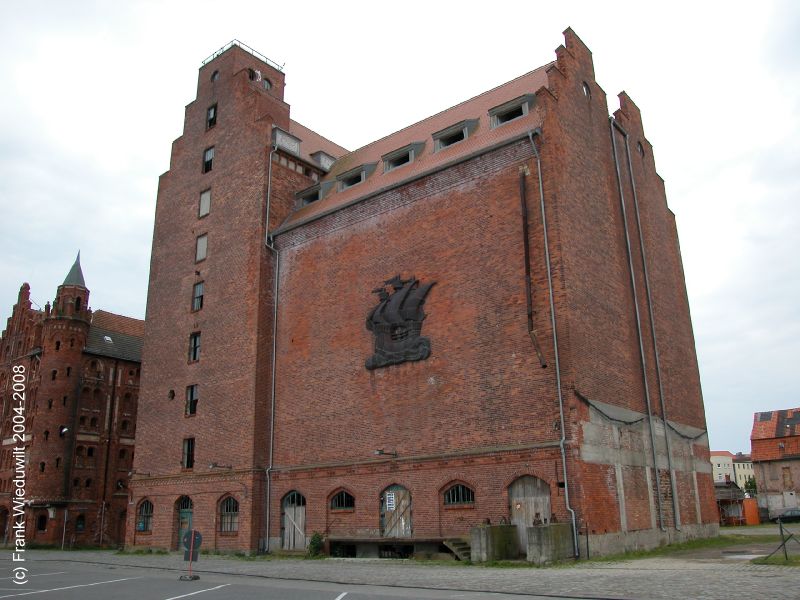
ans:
(705, 574)
(73, 581)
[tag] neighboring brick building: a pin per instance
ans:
(387, 427)
(82, 370)
(775, 452)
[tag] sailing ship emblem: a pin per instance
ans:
(397, 321)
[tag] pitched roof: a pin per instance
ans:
(483, 137)
(314, 142)
(75, 275)
(775, 424)
(721, 453)
(115, 336)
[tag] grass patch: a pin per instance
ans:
(777, 559)
(142, 551)
(699, 544)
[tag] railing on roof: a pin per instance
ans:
(246, 48)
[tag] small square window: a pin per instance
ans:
(187, 461)
(514, 109)
(454, 134)
(192, 397)
(402, 156)
(211, 116)
(452, 138)
(197, 296)
(194, 346)
(201, 248)
(352, 180)
(205, 203)
(208, 159)
(309, 197)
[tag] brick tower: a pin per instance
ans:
(65, 329)
(209, 312)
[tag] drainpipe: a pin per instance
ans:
(563, 440)
(270, 245)
(673, 483)
(612, 123)
(109, 431)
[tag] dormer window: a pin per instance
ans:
(514, 109)
(401, 156)
(355, 176)
(309, 196)
(454, 134)
(323, 159)
(351, 180)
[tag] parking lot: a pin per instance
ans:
(94, 575)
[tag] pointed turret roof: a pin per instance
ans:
(75, 275)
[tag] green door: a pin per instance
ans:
(185, 507)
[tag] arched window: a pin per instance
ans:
(90, 452)
(80, 523)
(88, 483)
(76, 482)
(123, 454)
(93, 423)
(41, 467)
(124, 426)
(46, 434)
(229, 515)
(459, 495)
(82, 421)
(41, 523)
(343, 501)
(79, 456)
(144, 516)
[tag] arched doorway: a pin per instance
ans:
(396, 512)
(184, 508)
(293, 521)
(528, 497)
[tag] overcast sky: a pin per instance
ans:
(93, 95)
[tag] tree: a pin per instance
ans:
(750, 486)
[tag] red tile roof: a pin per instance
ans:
(314, 142)
(113, 322)
(721, 453)
(483, 138)
(776, 423)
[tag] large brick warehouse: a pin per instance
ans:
(482, 316)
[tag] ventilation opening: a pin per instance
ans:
(399, 161)
(510, 115)
(453, 138)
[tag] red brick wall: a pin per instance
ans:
(235, 322)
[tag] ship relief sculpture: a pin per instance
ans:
(397, 321)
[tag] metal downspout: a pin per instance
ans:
(276, 274)
(563, 440)
(612, 123)
(673, 483)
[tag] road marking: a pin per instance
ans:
(38, 575)
(69, 587)
(340, 596)
(199, 592)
